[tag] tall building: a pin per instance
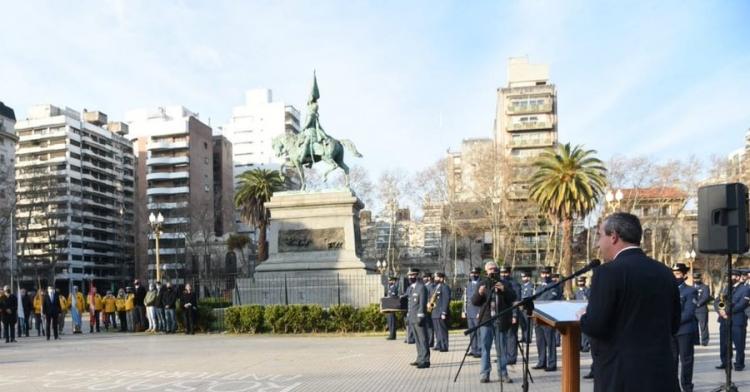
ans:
(223, 186)
(251, 131)
(175, 176)
(525, 125)
(8, 140)
(75, 198)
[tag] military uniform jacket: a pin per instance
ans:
(582, 294)
(471, 310)
(703, 295)
(392, 290)
(417, 295)
(551, 295)
(442, 307)
(632, 315)
(527, 290)
(688, 323)
(740, 299)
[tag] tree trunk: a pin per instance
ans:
(262, 248)
(567, 249)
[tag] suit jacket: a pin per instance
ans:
(417, 296)
(633, 313)
(51, 308)
(442, 308)
(688, 322)
(10, 303)
(471, 310)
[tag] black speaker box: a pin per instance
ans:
(722, 219)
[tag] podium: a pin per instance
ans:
(561, 315)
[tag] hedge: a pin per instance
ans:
(284, 319)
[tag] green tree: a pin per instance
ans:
(568, 183)
(255, 188)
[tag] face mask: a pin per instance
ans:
(413, 280)
(474, 277)
(51, 292)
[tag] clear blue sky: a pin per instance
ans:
(404, 80)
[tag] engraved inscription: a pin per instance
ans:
(308, 240)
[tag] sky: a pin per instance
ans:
(405, 81)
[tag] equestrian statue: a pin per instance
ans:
(313, 144)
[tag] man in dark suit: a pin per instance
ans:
(417, 319)
(189, 303)
(701, 308)
(739, 300)
(441, 312)
(683, 339)
(50, 310)
(633, 313)
(471, 312)
(10, 315)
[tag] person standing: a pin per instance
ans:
(95, 309)
(120, 309)
(161, 324)
(494, 296)
(527, 290)
(38, 302)
(130, 309)
(63, 311)
(511, 350)
(683, 349)
(149, 300)
(582, 294)
(169, 300)
(109, 306)
(545, 336)
(139, 314)
(51, 310)
(429, 284)
(739, 300)
(24, 314)
(189, 303)
(391, 291)
(701, 308)
(417, 297)
(471, 312)
(77, 305)
(633, 313)
(10, 314)
(441, 312)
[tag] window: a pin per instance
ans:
(205, 146)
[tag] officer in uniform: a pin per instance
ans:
(582, 294)
(417, 318)
(471, 312)
(701, 308)
(441, 312)
(555, 280)
(511, 349)
(739, 300)
(683, 348)
(391, 316)
(527, 290)
(429, 284)
(545, 336)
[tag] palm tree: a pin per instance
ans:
(255, 188)
(567, 184)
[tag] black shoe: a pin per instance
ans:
(423, 365)
(414, 363)
(722, 366)
(511, 362)
(539, 367)
(390, 338)
(736, 368)
(443, 351)
(476, 355)
(552, 369)
(589, 376)
(484, 380)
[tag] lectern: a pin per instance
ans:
(561, 315)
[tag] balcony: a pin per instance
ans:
(167, 161)
(529, 90)
(516, 109)
(538, 142)
(167, 145)
(167, 206)
(523, 126)
(167, 191)
(167, 175)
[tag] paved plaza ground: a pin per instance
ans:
(232, 363)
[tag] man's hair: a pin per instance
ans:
(490, 264)
(627, 226)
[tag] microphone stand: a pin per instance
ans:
(528, 305)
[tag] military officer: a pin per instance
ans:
(683, 340)
(582, 294)
(545, 336)
(471, 312)
(441, 312)
(429, 284)
(391, 317)
(527, 290)
(417, 317)
(555, 279)
(739, 300)
(701, 308)
(746, 275)
(511, 349)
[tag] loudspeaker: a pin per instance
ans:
(722, 219)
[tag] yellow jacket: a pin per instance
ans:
(120, 304)
(38, 304)
(130, 302)
(97, 302)
(80, 302)
(110, 303)
(64, 306)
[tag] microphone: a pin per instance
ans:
(591, 265)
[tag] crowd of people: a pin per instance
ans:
(132, 309)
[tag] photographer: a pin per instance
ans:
(494, 295)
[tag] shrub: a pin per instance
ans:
(370, 318)
(314, 318)
(214, 302)
(274, 318)
(455, 321)
(343, 318)
(244, 319)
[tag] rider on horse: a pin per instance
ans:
(312, 132)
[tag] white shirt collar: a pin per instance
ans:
(624, 249)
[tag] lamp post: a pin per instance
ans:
(382, 267)
(613, 199)
(156, 222)
(690, 257)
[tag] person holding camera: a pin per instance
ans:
(494, 296)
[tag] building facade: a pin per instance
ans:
(8, 140)
(75, 199)
(525, 126)
(175, 176)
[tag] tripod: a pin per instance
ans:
(728, 384)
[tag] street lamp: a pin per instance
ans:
(690, 256)
(156, 222)
(613, 199)
(382, 267)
